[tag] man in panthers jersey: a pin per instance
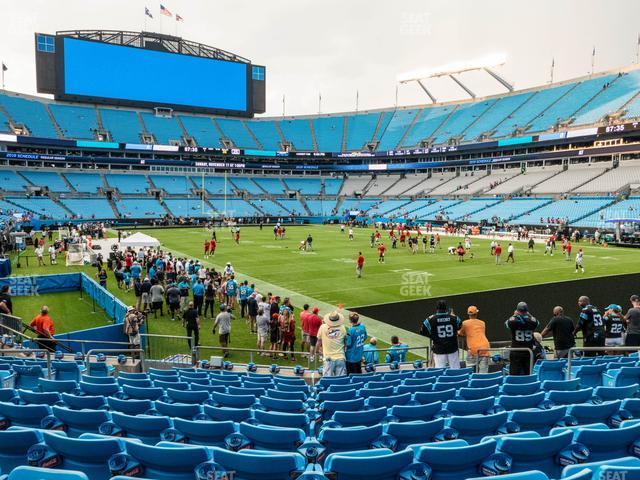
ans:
(442, 328)
(522, 325)
(613, 326)
(591, 324)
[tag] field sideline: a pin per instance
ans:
(326, 276)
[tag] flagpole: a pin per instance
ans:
(283, 105)
(357, 99)
(638, 49)
(319, 102)
(593, 60)
(553, 64)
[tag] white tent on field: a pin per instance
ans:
(139, 239)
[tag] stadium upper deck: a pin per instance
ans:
(599, 99)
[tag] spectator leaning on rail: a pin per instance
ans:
(370, 352)
(223, 322)
(592, 326)
(331, 341)
(632, 319)
(474, 330)
(442, 328)
(43, 325)
(522, 325)
(133, 320)
(561, 328)
(397, 352)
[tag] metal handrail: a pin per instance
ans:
(31, 350)
(65, 340)
(87, 362)
(595, 349)
(509, 349)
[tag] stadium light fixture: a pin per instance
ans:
(451, 70)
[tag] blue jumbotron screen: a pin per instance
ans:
(106, 71)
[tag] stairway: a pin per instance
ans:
(410, 127)
(313, 136)
(255, 139)
(53, 120)
(67, 182)
(344, 134)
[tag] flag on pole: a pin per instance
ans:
(179, 18)
(147, 12)
(164, 11)
(4, 67)
(594, 51)
(553, 62)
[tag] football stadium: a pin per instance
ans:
(381, 241)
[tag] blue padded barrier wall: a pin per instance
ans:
(110, 304)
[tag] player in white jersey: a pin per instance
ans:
(467, 243)
(351, 234)
(548, 248)
(579, 261)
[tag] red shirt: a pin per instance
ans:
(381, 249)
(360, 260)
(304, 318)
(43, 325)
(206, 245)
(128, 261)
(212, 244)
(313, 324)
(498, 250)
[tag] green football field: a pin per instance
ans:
(325, 277)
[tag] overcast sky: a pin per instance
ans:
(339, 47)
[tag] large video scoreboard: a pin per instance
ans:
(151, 71)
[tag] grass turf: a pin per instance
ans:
(327, 275)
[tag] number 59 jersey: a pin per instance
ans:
(442, 328)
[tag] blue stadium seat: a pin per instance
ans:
(67, 371)
(198, 432)
(530, 475)
(258, 464)
(222, 414)
(589, 375)
(273, 393)
(27, 376)
(408, 433)
(547, 454)
(37, 473)
(410, 413)
(77, 422)
(349, 439)
(173, 385)
(178, 410)
(77, 402)
(454, 462)
(339, 388)
(563, 385)
(428, 387)
(162, 372)
(430, 397)
(233, 401)
(188, 396)
(379, 464)
(98, 389)
(469, 407)
(471, 393)
(129, 407)
(60, 386)
(165, 461)
(485, 382)
(520, 402)
(280, 405)
(593, 469)
(608, 444)
(134, 382)
(472, 428)
(540, 421)
(519, 379)
(329, 407)
(90, 456)
(365, 418)
(256, 392)
(12, 415)
(377, 402)
(14, 445)
(520, 388)
(559, 397)
(616, 393)
(38, 398)
(142, 393)
(550, 370)
(99, 380)
(621, 377)
(586, 413)
(273, 438)
(143, 427)
(278, 419)
(377, 392)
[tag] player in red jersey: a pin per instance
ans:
(567, 250)
(206, 248)
(359, 265)
(212, 247)
(381, 250)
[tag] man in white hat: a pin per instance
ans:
(331, 341)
